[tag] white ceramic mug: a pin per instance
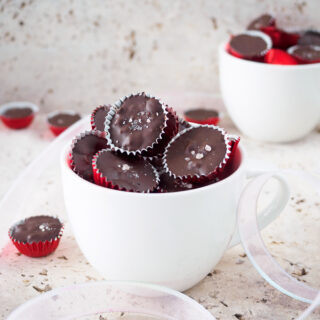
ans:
(273, 103)
(172, 239)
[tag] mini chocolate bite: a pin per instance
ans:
(265, 20)
(138, 123)
(18, 112)
(63, 119)
(125, 172)
(201, 114)
(250, 45)
(36, 229)
(98, 117)
(84, 148)
(306, 54)
(197, 152)
(310, 37)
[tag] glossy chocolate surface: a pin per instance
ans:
(35, 229)
(18, 112)
(64, 120)
(248, 46)
(127, 172)
(201, 114)
(307, 53)
(83, 151)
(264, 20)
(310, 37)
(137, 123)
(198, 151)
(99, 117)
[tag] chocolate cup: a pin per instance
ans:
(169, 129)
(19, 122)
(129, 169)
(56, 127)
(305, 54)
(202, 116)
(84, 168)
(98, 124)
(250, 45)
(265, 20)
(310, 37)
(40, 248)
(199, 178)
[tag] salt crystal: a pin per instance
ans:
(125, 167)
(199, 156)
(207, 148)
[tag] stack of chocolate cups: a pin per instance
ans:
(144, 147)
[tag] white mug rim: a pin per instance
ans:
(261, 65)
(213, 186)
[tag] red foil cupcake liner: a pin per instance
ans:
(280, 38)
(234, 143)
(159, 145)
(37, 249)
(18, 123)
(278, 56)
(103, 181)
(198, 179)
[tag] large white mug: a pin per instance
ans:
(273, 103)
(172, 239)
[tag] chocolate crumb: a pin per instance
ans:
(239, 316)
(223, 303)
(44, 272)
(41, 290)
(63, 258)
(242, 255)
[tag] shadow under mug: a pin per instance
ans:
(170, 239)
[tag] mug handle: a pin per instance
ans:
(275, 207)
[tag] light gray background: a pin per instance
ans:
(77, 54)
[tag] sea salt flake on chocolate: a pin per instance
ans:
(207, 148)
(199, 156)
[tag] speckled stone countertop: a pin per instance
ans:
(233, 290)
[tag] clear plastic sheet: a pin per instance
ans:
(256, 250)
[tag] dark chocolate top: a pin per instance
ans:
(201, 114)
(100, 117)
(310, 37)
(198, 151)
(307, 53)
(37, 228)
(83, 151)
(127, 172)
(249, 46)
(18, 112)
(64, 120)
(170, 184)
(264, 20)
(137, 123)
